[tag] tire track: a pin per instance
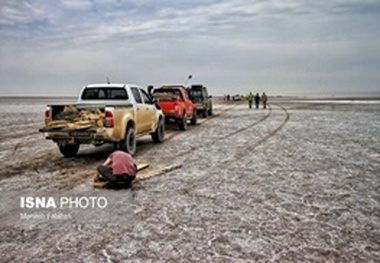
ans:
(175, 134)
(206, 176)
(227, 135)
(249, 126)
(242, 153)
(252, 147)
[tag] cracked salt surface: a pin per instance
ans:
(294, 183)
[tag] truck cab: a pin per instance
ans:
(121, 95)
(199, 95)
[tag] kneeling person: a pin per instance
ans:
(119, 170)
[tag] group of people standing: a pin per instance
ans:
(257, 99)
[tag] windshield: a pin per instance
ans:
(195, 94)
(170, 91)
(105, 93)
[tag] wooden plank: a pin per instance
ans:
(100, 184)
(142, 166)
(156, 172)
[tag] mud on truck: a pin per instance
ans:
(104, 113)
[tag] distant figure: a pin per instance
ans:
(119, 170)
(257, 100)
(250, 100)
(228, 97)
(264, 99)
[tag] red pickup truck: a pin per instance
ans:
(176, 105)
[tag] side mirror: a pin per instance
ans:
(149, 89)
(155, 103)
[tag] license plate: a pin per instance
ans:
(80, 134)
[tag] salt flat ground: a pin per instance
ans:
(297, 182)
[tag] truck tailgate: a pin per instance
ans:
(167, 106)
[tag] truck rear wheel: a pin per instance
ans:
(210, 112)
(194, 119)
(183, 123)
(159, 134)
(68, 150)
(128, 144)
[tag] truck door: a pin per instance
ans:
(150, 111)
(140, 110)
(188, 105)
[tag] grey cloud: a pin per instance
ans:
(76, 4)
(355, 7)
(21, 12)
(300, 45)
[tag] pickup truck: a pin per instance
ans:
(104, 113)
(199, 95)
(176, 105)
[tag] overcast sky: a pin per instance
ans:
(283, 47)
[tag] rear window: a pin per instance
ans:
(171, 91)
(163, 90)
(195, 93)
(106, 93)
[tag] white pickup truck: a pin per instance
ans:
(104, 113)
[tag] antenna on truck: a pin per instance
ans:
(108, 80)
(189, 77)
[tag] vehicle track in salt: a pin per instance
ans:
(210, 172)
(243, 152)
(267, 136)
(173, 134)
(198, 127)
(229, 135)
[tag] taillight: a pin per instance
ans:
(109, 119)
(47, 115)
(176, 108)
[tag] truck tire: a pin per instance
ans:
(68, 150)
(183, 122)
(194, 119)
(159, 133)
(205, 113)
(210, 112)
(128, 144)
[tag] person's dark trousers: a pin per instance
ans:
(115, 181)
(106, 173)
(124, 180)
